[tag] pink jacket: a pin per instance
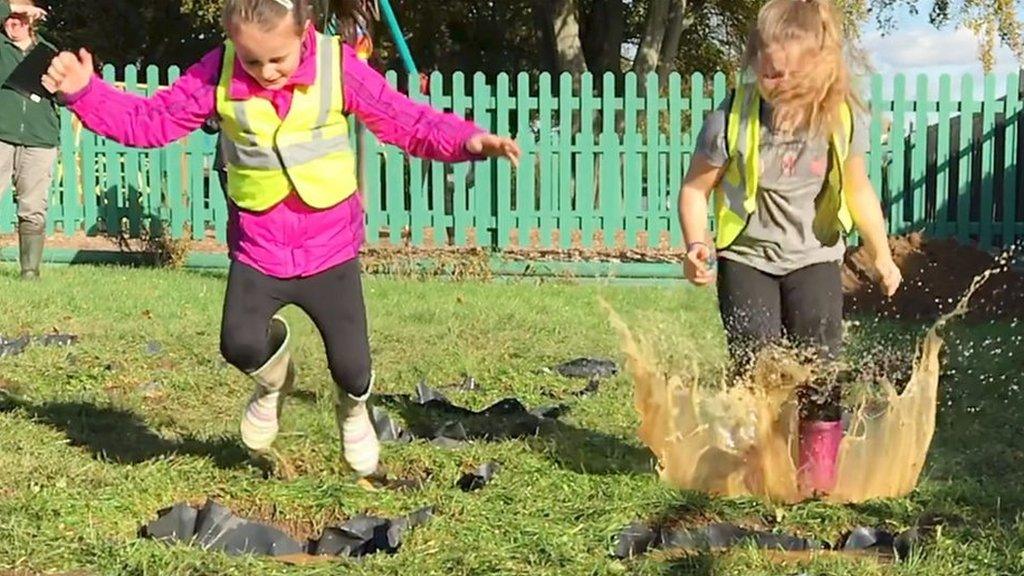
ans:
(291, 239)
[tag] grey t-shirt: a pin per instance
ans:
(779, 238)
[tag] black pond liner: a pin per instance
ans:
(449, 425)
(214, 527)
(639, 538)
(15, 346)
(587, 368)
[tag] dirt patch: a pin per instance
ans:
(936, 274)
(936, 271)
(102, 243)
(401, 259)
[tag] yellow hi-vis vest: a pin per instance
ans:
(736, 193)
(308, 151)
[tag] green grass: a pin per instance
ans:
(95, 438)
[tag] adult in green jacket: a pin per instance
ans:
(29, 135)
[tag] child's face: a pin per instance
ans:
(269, 56)
(18, 28)
(778, 64)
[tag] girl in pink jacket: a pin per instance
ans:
(281, 92)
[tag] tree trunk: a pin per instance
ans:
(648, 53)
(567, 37)
(542, 19)
(670, 46)
(603, 35)
(560, 31)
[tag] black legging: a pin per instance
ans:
(806, 306)
(333, 299)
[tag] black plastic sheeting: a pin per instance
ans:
(15, 346)
(639, 538)
(365, 535)
(214, 527)
(874, 539)
(449, 425)
(478, 478)
(587, 368)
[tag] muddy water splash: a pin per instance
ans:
(743, 439)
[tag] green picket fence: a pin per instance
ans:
(603, 162)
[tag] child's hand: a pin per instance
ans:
(889, 275)
(695, 267)
(33, 12)
(491, 146)
(69, 73)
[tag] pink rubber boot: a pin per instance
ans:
(819, 448)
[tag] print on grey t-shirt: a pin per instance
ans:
(779, 238)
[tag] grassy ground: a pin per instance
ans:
(142, 413)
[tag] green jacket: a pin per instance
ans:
(22, 121)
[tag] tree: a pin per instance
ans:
(583, 35)
(705, 35)
(570, 35)
(160, 32)
(587, 35)
(465, 35)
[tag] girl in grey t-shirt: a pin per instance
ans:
(779, 241)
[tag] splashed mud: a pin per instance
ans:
(743, 439)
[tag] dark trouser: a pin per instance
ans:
(333, 299)
(804, 307)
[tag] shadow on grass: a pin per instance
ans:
(570, 447)
(208, 273)
(590, 452)
(121, 436)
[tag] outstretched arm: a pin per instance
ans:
(129, 119)
(414, 127)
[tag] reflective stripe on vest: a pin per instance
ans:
(308, 151)
(736, 193)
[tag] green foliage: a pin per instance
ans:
(160, 32)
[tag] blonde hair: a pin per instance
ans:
(265, 13)
(809, 99)
(353, 16)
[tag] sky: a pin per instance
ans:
(916, 47)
